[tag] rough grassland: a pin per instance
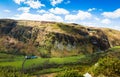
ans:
(39, 61)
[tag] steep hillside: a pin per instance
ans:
(113, 36)
(48, 39)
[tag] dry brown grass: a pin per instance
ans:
(113, 36)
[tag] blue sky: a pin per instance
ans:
(98, 13)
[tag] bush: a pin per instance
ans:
(44, 52)
(10, 72)
(71, 73)
(108, 66)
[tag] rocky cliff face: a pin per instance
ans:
(49, 39)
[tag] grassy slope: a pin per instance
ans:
(67, 29)
(113, 36)
(48, 39)
(39, 61)
(16, 61)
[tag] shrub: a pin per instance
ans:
(10, 72)
(108, 66)
(71, 73)
(44, 52)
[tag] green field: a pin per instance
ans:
(39, 66)
(16, 61)
(47, 65)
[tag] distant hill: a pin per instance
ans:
(49, 39)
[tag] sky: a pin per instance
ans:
(95, 13)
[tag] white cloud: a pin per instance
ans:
(7, 11)
(97, 19)
(34, 4)
(19, 1)
(44, 17)
(24, 9)
(59, 11)
(114, 14)
(51, 17)
(81, 15)
(86, 23)
(91, 9)
(106, 21)
(42, 11)
(55, 2)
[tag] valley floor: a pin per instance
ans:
(64, 66)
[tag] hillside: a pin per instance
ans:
(54, 39)
(61, 49)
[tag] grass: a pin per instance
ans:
(16, 61)
(81, 68)
(66, 59)
(9, 57)
(47, 71)
(38, 61)
(16, 64)
(114, 48)
(36, 64)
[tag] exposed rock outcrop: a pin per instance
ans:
(55, 38)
